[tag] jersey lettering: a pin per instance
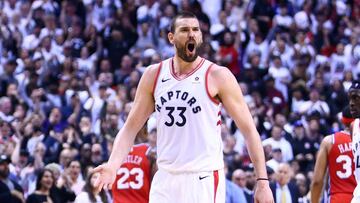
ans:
(357, 162)
(178, 95)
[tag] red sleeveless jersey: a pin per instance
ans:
(132, 182)
(341, 167)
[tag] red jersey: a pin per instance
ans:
(132, 182)
(341, 167)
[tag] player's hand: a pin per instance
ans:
(263, 193)
(107, 175)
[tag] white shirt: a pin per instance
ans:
(30, 42)
(320, 106)
(283, 144)
(339, 64)
(285, 21)
(263, 48)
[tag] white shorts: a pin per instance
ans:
(356, 194)
(355, 200)
(201, 187)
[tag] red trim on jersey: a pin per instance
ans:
(218, 123)
(219, 114)
(347, 121)
(216, 183)
(156, 78)
(207, 89)
(172, 69)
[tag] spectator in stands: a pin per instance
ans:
(278, 141)
(283, 189)
(89, 194)
(10, 191)
(76, 179)
(44, 182)
(239, 178)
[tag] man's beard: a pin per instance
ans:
(181, 52)
(4, 173)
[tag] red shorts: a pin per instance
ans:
(341, 198)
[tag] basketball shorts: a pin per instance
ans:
(356, 194)
(198, 187)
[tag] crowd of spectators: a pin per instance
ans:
(69, 71)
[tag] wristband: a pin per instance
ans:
(262, 179)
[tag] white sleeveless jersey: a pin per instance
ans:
(188, 121)
(356, 152)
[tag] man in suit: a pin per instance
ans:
(284, 191)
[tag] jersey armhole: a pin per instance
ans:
(156, 79)
(355, 127)
(207, 86)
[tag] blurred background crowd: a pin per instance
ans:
(69, 71)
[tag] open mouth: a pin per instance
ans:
(190, 47)
(353, 112)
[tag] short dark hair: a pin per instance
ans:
(183, 14)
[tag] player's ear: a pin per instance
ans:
(171, 37)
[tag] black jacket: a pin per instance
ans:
(294, 191)
(5, 193)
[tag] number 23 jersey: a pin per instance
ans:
(133, 178)
(188, 120)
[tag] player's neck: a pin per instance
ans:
(182, 67)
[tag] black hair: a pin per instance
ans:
(88, 188)
(183, 14)
(40, 176)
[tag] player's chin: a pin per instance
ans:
(190, 53)
(355, 113)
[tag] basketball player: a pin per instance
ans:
(354, 102)
(335, 154)
(133, 178)
(186, 92)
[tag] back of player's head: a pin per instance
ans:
(183, 14)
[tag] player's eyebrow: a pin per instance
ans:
(189, 27)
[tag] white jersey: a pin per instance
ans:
(356, 152)
(188, 121)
